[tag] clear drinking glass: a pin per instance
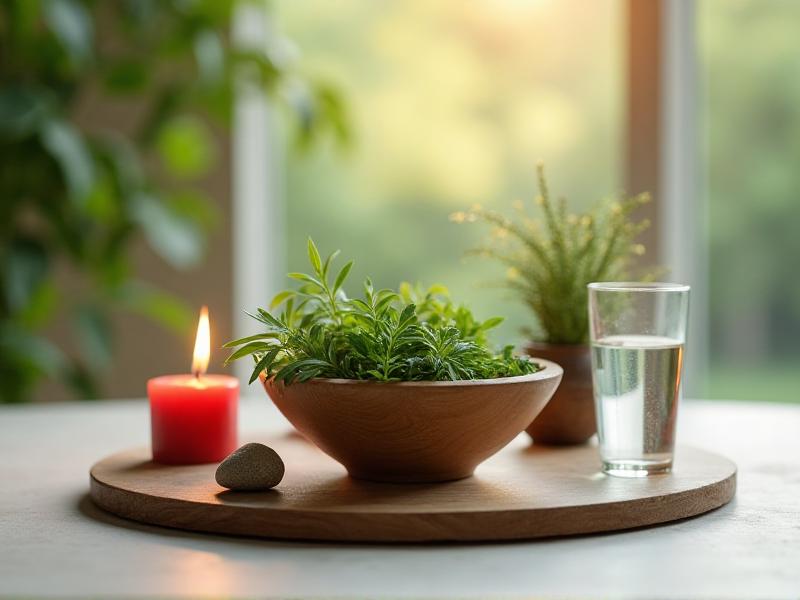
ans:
(638, 332)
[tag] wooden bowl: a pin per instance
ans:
(416, 431)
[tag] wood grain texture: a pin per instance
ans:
(416, 431)
(523, 492)
(569, 416)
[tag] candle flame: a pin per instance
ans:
(202, 344)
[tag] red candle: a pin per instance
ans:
(194, 417)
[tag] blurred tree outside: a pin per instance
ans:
(75, 199)
(750, 53)
(453, 103)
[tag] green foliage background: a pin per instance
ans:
(73, 199)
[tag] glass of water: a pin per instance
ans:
(638, 332)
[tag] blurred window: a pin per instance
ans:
(453, 103)
(750, 80)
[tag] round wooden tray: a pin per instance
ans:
(522, 492)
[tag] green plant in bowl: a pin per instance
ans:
(550, 255)
(396, 385)
(407, 335)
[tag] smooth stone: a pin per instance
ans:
(251, 468)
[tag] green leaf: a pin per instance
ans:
(22, 109)
(406, 292)
(81, 381)
(246, 350)
(186, 147)
(340, 278)
(314, 258)
(249, 338)
(27, 263)
(491, 323)
(307, 279)
(67, 146)
(125, 162)
(209, 53)
(176, 239)
(280, 298)
(407, 316)
(318, 107)
(361, 305)
(72, 25)
(93, 332)
(126, 76)
(327, 265)
(438, 289)
(385, 301)
(40, 307)
(263, 363)
(29, 349)
(266, 318)
(103, 203)
(195, 206)
(289, 372)
(25, 18)
(171, 311)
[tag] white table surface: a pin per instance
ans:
(54, 542)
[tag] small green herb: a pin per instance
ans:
(406, 335)
(550, 261)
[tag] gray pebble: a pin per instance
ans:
(251, 468)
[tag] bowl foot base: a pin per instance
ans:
(408, 477)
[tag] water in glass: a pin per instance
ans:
(636, 386)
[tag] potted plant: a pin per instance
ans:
(397, 386)
(549, 262)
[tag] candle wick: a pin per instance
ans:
(197, 374)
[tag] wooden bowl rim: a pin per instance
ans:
(551, 370)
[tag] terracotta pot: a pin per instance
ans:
(420, 431)
(569, 417)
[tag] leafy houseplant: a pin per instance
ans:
(396, 385)
(549, 261)
(75, 197)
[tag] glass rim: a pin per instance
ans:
(637, 286)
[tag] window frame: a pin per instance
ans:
(665, 152)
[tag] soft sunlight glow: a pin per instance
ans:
(202, 344)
